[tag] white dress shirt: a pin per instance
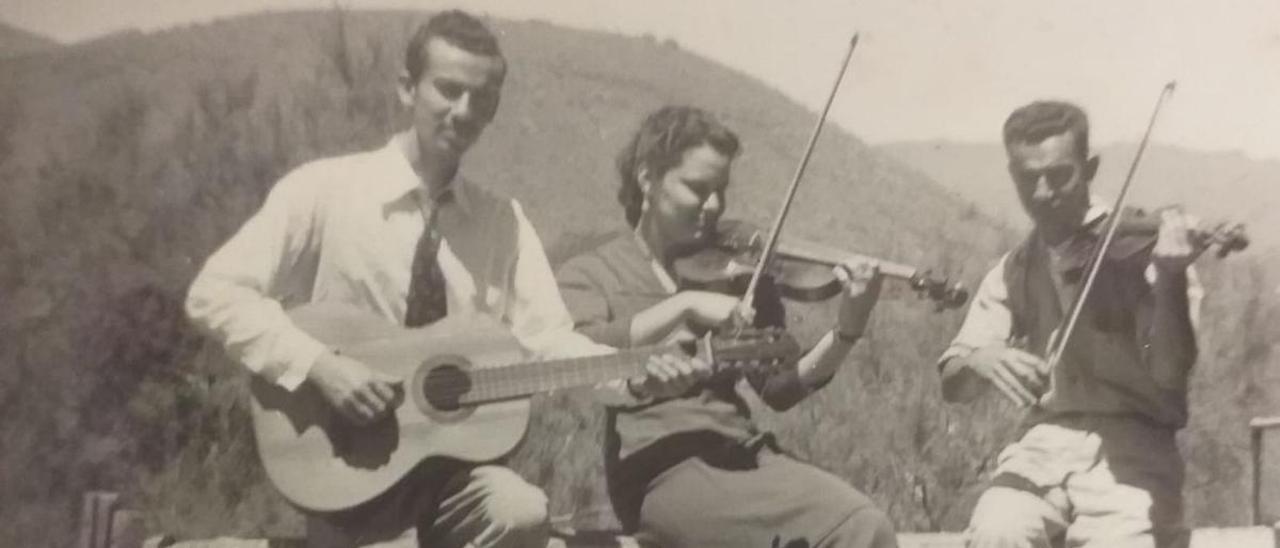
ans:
(345, 230)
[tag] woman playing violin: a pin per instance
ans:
(694, 469)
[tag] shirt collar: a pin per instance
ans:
(1097, 210)
(664, 277)
(403, 181)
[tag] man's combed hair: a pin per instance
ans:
(456, 27)
(1040, 120)
(660, 144)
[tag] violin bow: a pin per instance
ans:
(771, 243)
(1060, 342)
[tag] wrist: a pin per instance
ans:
(322, 362)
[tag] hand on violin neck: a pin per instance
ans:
(861, 281)
(1178, 243)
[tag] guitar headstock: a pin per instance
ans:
(749, 348)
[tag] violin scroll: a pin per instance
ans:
(1227, 238)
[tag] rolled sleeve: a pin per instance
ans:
(988, 320)
(237, 296)
(1195, 291)
(780, 388)
(540, 320)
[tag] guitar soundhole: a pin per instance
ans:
(444, 387)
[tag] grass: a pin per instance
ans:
(125, 161)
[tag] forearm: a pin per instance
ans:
(655, 323)
(237, 296)
(783, 389)
(1172, 336)
(820, 363)
(253, 328)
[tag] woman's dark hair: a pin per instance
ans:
(660, 144)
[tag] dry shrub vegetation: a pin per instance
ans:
(126, 160)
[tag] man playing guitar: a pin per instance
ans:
(397, 232)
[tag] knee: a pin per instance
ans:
(1008, 531)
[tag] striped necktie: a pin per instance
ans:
(427, 300)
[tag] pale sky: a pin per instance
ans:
(924, 69)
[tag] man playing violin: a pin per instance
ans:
(398, 232)
(1096, 463)
(694, 470)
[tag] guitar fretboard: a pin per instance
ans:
(525, 379)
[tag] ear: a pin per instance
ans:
(642, 178)
(1091, 167)
(406, 88)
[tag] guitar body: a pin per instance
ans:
(320, 461)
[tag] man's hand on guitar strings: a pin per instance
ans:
(359, 393)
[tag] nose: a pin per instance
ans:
(1042, 189)
(462, 108)
(713, 203)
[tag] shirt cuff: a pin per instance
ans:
(615, 393)
(954, 351)
(295, 373)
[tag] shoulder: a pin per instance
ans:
(597, 256)
(602, 247)
(489, 204)
(326, 176)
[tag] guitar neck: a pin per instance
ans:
(526, 379)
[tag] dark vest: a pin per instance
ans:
(1106, 363)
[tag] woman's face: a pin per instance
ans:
(687, 201)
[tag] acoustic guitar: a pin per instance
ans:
(467, 383)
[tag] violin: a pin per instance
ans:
(1138, 229)
(740, 255)
(800, 270)
(1129, 235)
(1135, 238)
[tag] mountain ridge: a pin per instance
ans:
(15, 41)
(126, 160)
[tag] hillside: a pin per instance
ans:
(1213, 185)
(125, 161)
(15, 41)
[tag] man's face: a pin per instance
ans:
(1052, 179)
(454, 99)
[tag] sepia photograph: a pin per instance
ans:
(639, 274)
